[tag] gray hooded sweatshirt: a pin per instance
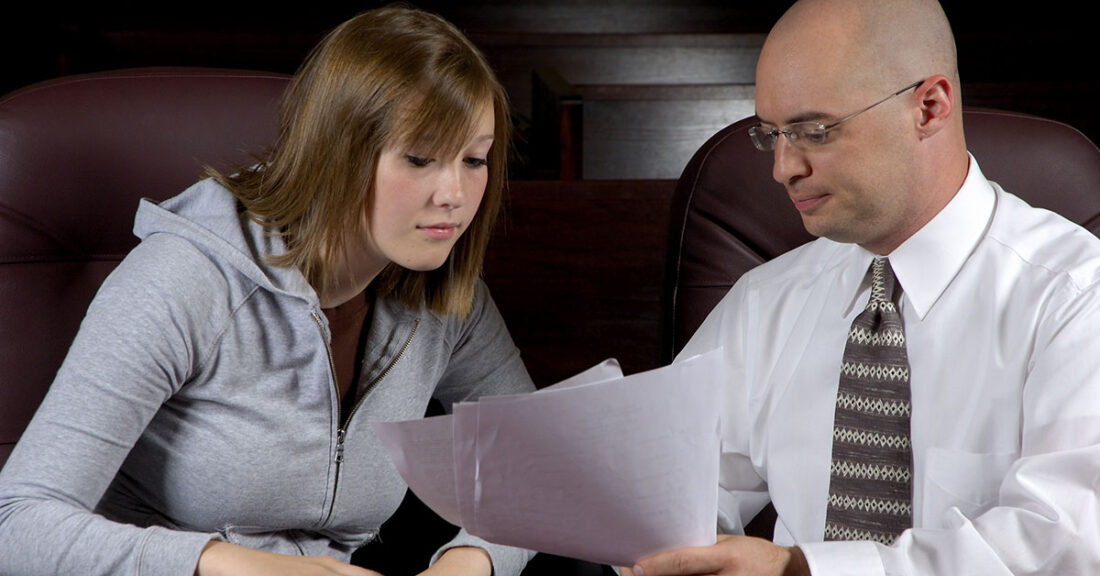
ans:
(198, 402)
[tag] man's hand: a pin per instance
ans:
(730, 556)
(225, 559)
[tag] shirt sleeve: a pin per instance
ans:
(130, 354)
(742, 490)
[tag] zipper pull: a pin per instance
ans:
(340, 445)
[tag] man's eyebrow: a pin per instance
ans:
(811, 116)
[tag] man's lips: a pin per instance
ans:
(808, 203)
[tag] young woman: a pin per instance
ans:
(213, 413)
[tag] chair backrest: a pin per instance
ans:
(76, 155)
(728, 215)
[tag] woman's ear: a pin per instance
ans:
(936, 96)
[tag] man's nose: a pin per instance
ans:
(789, 163)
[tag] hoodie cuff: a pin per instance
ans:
(507, 560)
(171, 553)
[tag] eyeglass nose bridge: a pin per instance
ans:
(766, 139)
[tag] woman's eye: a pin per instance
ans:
(476, 162)
(418, 161)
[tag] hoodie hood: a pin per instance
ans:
(210, 217)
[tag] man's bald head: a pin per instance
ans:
(872, 46)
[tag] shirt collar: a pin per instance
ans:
(926, 263)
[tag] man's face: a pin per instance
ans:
(854, 187)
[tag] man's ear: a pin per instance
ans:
(937, 104)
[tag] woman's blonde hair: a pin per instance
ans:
(393, 76)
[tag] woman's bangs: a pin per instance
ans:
(442, 122)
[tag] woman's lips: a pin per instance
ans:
(442, 231)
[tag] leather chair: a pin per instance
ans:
(76, 155)
(728, 214)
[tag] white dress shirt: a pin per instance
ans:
(1001, 308)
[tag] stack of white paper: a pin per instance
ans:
(599, 467)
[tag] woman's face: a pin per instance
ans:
(423, 204)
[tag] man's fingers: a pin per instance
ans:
(682, 562)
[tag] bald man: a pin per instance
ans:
(998, 302)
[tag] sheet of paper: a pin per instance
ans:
(425, 451)
(422, 452)
(607, 370)
(467, 467)
(608, 471)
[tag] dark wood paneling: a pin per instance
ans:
(576, 270)
(1032, 59)
(621, 59)
(652, 131)
(612, 16)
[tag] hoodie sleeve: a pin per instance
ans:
(484, 361)
(135, 348)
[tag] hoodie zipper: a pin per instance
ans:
(341, 431)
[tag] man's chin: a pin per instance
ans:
(816, 226)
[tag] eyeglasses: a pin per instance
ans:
(808, 134)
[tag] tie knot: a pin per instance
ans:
(882, 283)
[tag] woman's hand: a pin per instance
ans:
(462, 561)
(730, 556)
(225, 559)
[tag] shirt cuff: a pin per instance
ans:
(843, 559)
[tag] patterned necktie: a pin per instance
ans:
(870, 489)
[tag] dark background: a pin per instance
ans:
(1042, 59)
